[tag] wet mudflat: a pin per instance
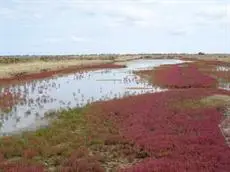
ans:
(25, 106)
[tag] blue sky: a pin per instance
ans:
(114, 26)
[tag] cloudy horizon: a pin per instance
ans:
(37, 27)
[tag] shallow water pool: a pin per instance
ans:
(25, 105)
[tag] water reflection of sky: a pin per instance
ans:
(73, 90)
(223, 68)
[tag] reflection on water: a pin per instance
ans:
(26, 104)
(223, 68)
(224, 85)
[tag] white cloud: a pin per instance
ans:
(7, 13)
(19, 13)
(38, 15)
(140, 13)
(115, 13)
(115, 24)
(132, 14)
(178, 32)
(228, 12)
(53, 40)
(75, 38)
(214, 14)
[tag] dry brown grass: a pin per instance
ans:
(209, 57)
(216, 100)
(9, 70)
(210, 101)
(35, 66)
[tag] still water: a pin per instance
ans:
(29, 102)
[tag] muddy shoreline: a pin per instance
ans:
(23, 77)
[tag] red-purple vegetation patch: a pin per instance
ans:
(182, 76)
(46, 74)
(223, 75)
(21, 166)
(211, 68)
(169, 138)
(80, 161)
(177, 139)
(8, 100)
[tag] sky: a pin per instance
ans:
(36, 27)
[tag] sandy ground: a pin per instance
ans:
(11, 70)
